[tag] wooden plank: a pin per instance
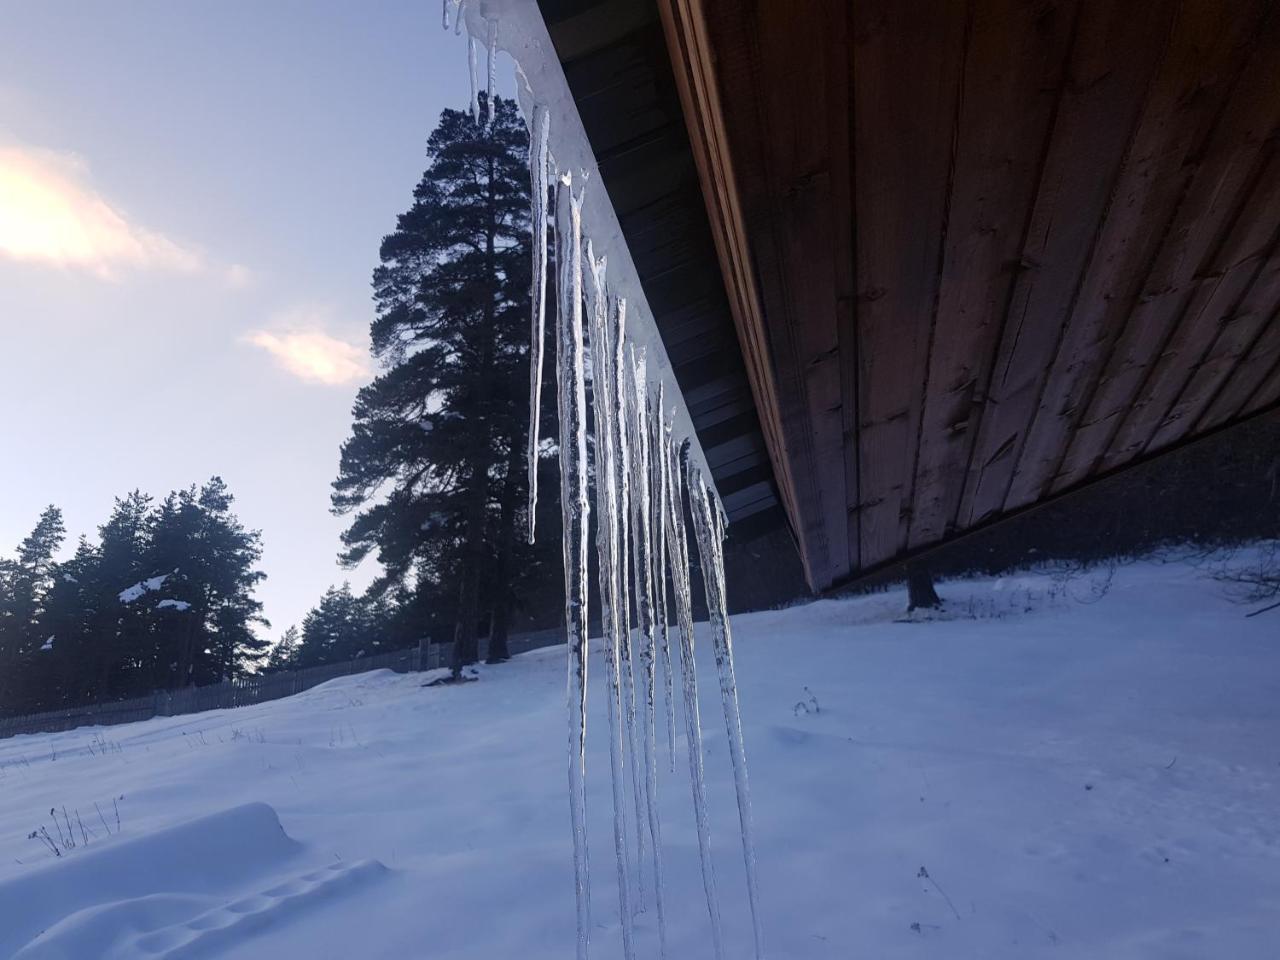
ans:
(1225, 222)
(775, 351)
(800, 115)
(1146, 193)
(1116, 50)
(1230, 316)
(1268, 393)
(837, 32)
(904, 119)
(1248, 353)
(1219, 167)
(1015, 67)
(1219, 373)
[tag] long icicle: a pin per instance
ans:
(492, 46)
(475, 80)
(538, 167)
(678, 544)
(626, 543)
(603, 333)
(574, 511)
(642, 492)
(660, 560)
(708, 521)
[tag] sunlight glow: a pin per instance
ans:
(50, 215)
(314, 356)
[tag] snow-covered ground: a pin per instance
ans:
(1051, 774)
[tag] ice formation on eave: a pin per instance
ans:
(648, 466)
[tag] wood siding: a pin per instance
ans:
(1001, 248)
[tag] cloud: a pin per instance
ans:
(238, 276)
(304, 349)
(50, 214)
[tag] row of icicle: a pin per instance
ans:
(643, 481)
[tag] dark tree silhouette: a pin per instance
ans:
(433, 473)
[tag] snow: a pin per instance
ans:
(151, 584)
(47, 645)
(179, 605)
(1026, 776)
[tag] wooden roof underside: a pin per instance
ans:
(614, 58)
(978, 254)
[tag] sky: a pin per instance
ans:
(191, 201)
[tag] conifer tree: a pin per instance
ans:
(433, 473)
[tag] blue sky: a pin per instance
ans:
(191, 200)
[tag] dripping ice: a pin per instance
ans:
(708, 521)
(539, 130)
(642, 533)
(574, 511)
(606, 329)
(648, 467)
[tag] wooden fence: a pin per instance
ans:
(257, 688)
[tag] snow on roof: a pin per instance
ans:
(179, 605)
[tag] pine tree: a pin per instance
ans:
(284, 654)
(340, 627)
(24, 585)
(433, 471)
(164, 599)
(207, 560)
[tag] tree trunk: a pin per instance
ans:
(465, 647)
(502, 592)
(920, 592)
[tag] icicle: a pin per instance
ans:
(708, 521)
(678, 546)
(444, 17)
(493, 66)
(457, 16)
(575, 510)
(628, 438)
(475, 79)
(607, 550)
(638, 418)
(538, 137)
(661, 487)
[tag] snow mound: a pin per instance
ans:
(195, 888)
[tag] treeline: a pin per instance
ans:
(162, 599)
(345, 626)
